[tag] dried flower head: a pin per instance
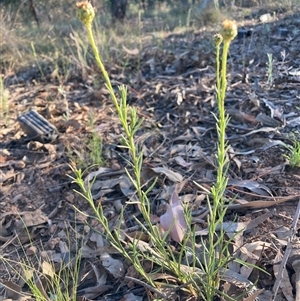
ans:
(229, 30)
(218, 39)
(85, 12)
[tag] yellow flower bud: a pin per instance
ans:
(85, 12)
(229, 30)
(218, 39)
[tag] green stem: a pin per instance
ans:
(113, 96)
(218, 73)
(222, 117)
(215, 249)
(100, 64)
(224, 70)
(122, 113)
(221, 123)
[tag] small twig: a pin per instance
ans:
(287, 253)
(296, 267)
(156, 149)
(149, 287)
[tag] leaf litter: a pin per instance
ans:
(174, 93)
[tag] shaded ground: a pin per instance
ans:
(172, 84)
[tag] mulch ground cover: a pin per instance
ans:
(173, 87)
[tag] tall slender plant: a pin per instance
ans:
(161, 253)
(127, 115)
(217, 249)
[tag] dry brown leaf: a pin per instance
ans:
(134, 51)
(29, 219)
(131, 297)
(285, 283)
(31, 250)
(87, 252)
(174, 219)
(47, 269)
(263, 204)
(148, 174)
(97, 238)
(3, 231)
(101, 188)
(254, 296)
(171, 175)
(90, 293)
(113, 266)
(126, 186)
(13, 290)
(253, 186)
(93, 175)
(180, 161)
(258, 220)
(250, 253)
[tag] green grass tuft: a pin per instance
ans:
(293, 155)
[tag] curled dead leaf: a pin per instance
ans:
(174, 219)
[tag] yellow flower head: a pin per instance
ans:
(229, 30)
(218, 39)
(85, 12)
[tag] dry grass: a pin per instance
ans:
(55, 39)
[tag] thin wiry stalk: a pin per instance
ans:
(216, 256)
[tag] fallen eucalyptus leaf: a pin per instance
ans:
(171, 175)
(174, 219)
